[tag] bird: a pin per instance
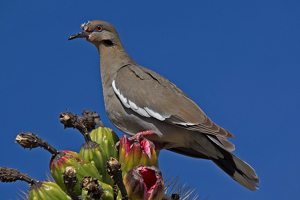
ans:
(142, 103)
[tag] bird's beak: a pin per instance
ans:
(82, 34)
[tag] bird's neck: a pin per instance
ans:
(112, 58)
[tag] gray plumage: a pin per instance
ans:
(138, 99)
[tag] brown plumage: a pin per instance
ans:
(138, 99)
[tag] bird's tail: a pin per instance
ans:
(237, 169)
(218, 149)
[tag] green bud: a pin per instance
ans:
(39, 190)
(107, 139)
(94, 153)
(47, 190)
(65, 158)
(60, 160)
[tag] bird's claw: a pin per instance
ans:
(137, 137)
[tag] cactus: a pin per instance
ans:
(60, 160)
(83, 168)
(77, 177)
(107, 139)
(144, 182)
(39, 190)
(95, 151)
(141, 152)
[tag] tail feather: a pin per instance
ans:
(237, 169)
(218, 150)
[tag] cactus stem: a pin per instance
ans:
(13, 175)
(30, 140)
(83, 124)
(70, 181)
(114, 170)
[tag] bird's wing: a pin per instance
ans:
(151, 95)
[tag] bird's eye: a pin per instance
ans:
(99, 28)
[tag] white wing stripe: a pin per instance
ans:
(137, 109)
(146, 112)
(143, 112)
(122, 98)
(133, 105)
(155, 114)
(184, 123)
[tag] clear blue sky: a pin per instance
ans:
(238, 60)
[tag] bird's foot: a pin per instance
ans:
(138, 137)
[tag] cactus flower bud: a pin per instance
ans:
(92, 187)
(60, 160)
(65, 158)
(107, 139)
(95, 154)
(144, 182)
(38, 189)
(141, 152)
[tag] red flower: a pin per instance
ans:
(144, 182)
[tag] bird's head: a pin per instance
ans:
(98, 32)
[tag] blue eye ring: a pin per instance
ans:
(99, 28)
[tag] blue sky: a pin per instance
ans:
(238, 60)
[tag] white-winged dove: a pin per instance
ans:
(138, 100)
